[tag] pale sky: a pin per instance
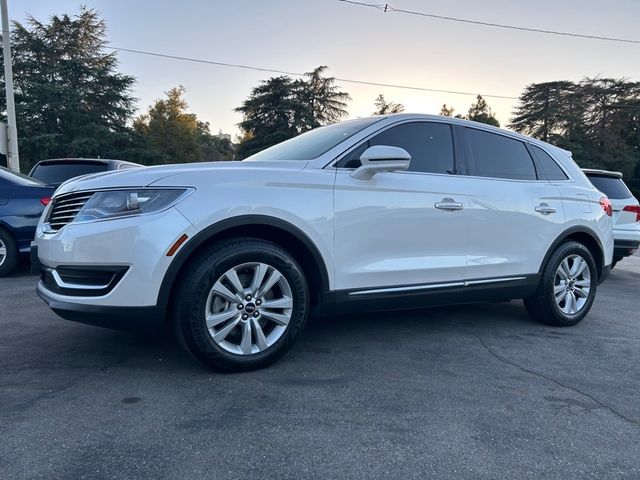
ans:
(359, 43)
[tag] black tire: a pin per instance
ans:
(11, 257)
(542, 306)
(202, 272)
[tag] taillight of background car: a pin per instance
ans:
(606, 206)
(633, 209)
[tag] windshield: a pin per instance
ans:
(17, 178)
(61, 172)
(314, 143)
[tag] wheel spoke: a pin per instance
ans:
(271, 281)
(215, 319)
(232, 275)
(225, 293)
(284, 302)
(222, 334)
(559, 289)
(583, 283)
(3, 250)
(564, 269)
(571, 303)
(258, 276)
(245, 343)
(279, 318)
(560, 296)
(582, 292)
(577, 266)
(583, 266)
(261, 340)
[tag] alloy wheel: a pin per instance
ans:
(3, 252)
(249, 308)
(572, 284)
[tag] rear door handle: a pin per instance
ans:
(449, 204)
(545, 209)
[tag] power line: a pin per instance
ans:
(297, 74)
(388, 8)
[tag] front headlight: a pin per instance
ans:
(123, 203)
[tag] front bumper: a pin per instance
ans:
(137, 319)
(109, 273)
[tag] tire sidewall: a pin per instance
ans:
(192, 320)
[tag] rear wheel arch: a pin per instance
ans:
(263, 227)
(581, 235)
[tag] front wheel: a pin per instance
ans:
(9, 253)
(241, 305)
(567, 287)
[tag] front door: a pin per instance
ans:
(402, 229)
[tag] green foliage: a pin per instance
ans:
(323, 103)
(386, 108)
(70, 99)
(481, 112)
(447, 111)
(167, 133)
(597, 119)
(281, 108)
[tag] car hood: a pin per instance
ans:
(144, 177)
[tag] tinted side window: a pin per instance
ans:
(429, 144)
(549, 166)
(499, 157)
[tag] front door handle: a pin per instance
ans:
(545, 209)
(449, 204)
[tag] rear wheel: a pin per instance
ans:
(567, 287)
(242, 305)
(8, 253)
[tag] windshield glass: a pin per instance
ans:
(61, 172)
(17, 178)
(315, 142)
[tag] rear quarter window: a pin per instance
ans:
(550, 169)
(612, 187)
(497, 156)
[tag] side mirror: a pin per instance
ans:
(381, 158)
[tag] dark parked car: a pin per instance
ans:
(58, 170)
(22, 200)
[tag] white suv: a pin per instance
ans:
(374, 213)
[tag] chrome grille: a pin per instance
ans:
(66, 207)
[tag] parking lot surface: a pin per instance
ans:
(475, 391)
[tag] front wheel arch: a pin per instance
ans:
(261, 227)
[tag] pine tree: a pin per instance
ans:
(70, 99)
(386, 108)
(481, 112)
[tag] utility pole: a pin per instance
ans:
(13, 161)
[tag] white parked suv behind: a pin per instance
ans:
(626, 211)
(374, 213)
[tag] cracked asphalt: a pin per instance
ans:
(476, 391)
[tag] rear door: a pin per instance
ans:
(515, 212)
(402, 228)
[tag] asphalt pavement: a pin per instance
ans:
(475, 391)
